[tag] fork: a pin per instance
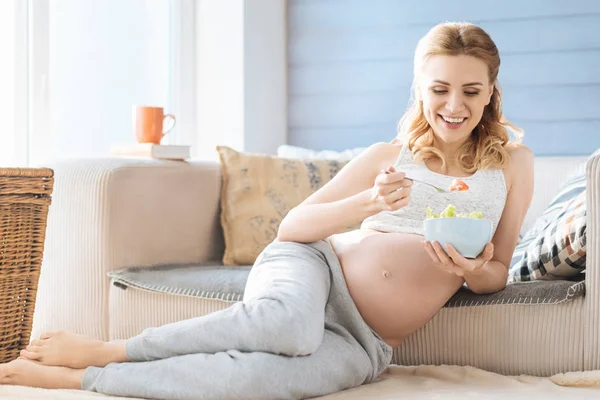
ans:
(436, 188)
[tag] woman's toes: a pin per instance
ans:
(47, 335)
(38, 342)
(30, 355)
(33, 348)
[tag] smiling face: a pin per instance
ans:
(454, 91)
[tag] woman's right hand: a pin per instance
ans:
(391, 190)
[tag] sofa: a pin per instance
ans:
(135, 243)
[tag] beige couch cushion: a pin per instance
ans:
(257, 192)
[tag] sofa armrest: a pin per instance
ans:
(114, 213)
(592, 281)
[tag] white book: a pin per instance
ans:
(158, 151)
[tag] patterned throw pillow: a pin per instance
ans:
(555, 248)
(258, 191)
(575, 184)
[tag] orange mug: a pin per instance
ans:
(148, 124)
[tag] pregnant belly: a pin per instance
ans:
(392, 281)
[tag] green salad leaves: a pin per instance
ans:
(450, 212)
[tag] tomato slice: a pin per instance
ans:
(458, 186)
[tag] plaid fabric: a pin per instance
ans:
(557, 251)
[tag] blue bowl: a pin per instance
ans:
(468, 235)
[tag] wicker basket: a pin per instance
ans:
(24, 200)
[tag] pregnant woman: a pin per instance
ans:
(322, 309)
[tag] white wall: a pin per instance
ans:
(220, 68)
(241, 83)
(265, 75)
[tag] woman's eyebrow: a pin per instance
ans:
(466, 84)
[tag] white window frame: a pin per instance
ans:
(31, 72)
(21, 97)
(38, 69)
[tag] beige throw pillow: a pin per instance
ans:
(257, 192)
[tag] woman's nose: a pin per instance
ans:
(454, 104)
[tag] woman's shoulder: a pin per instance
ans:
(384, 148)
(520, 156)
(382, 153)
(520, 163)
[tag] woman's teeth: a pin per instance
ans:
(453, 120)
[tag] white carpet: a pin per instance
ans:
(415, 383)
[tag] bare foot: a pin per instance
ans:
(28, 373)
(68, 349)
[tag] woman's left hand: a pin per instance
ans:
(456, 264)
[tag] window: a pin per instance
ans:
(13, 83)
(75, 69)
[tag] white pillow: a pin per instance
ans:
(287, 151)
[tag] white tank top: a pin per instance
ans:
(487, 193)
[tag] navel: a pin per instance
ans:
(386, 274)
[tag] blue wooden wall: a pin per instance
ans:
(350, 67)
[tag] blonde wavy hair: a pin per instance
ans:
(486, 147)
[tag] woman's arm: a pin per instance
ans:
(493, 275)
(311, 222)
(344, 201)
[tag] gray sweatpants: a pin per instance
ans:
(296, 334)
